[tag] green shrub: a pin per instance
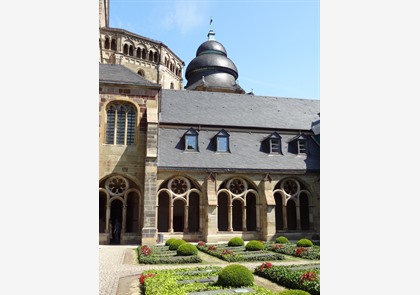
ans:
(304, 243)
(235, 275)
(169, 241)
(235, 242)
(282, 240)
(254, 245)
(175, 244)
(187, 249)
(293, 292)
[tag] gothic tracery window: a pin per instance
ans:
(120, 125)
(179, 185)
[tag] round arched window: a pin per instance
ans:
(179, 185)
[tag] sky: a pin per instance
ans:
(274, 44)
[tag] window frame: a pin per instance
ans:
(191, 134)
(123, 117)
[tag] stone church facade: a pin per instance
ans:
(208, 162)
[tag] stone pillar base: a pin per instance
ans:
(149, 236)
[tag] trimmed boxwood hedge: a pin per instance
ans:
(175, 244)
(304, 243)
(282, 240)
(254, 245)
(169, 241)
(187, 249)
(235, 275)
(235, 242)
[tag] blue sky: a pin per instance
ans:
(274, 44)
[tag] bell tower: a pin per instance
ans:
(103, 13)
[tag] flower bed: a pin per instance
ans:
(306, 279)
(162, 255)
(312, 253)
(237, 254)
(184, 281)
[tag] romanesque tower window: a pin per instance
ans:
(155, 57)
(131, 50)
(143, 54)
(120, 124)
(125, 49)
(138, 52)
(113, 44)
(106, 43)
(151, 55)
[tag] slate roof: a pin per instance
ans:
(246, 153)
(233, 112)
(119, 74)
(242, 110)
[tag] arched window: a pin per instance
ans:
(151, 55)
(113, 44)
(155, 57)
(172, 85)
(131, 50)
(125, 49)
(120, 124)
(106, 43)
(143, 54)
(140, 72)
(138, 52)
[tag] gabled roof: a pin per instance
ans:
(119, 74)
(237, 110)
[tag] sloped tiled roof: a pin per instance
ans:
(119, 74)
(242, 110)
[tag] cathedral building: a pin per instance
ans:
(208, 162)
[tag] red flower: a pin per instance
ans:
(300, 251)
(146, 251)
(226, 252)
(201, 243)
(265, 265)
(212, 248)
(307, 276)
(144, 276)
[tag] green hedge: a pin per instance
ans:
(235, 275)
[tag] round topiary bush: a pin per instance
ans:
(304, 243)
(175, 244)
(169, 241)
(187, 249)
(235, 242)
(254, 245)
(282, 240)
(293, 292)
(235, 275)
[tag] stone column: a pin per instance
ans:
(171, 218)
(108, 216)
(244, 218)
(284, 208)
(186, 219)
(230, 217)
(298, 226)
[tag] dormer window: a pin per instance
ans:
(301, 146)
(222, 140)
(191, 140)
(273, 144)
(298, 145)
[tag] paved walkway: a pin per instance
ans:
(118, 265)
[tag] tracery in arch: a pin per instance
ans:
(238, 206)
(179, 206)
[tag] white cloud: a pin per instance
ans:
(184, 16)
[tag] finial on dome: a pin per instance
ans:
(211, 34)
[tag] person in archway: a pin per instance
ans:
(117, 231)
